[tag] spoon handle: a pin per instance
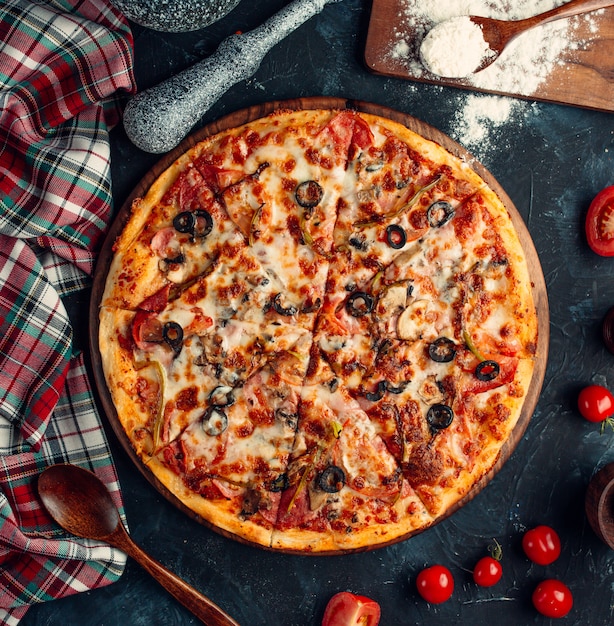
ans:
(569, 9)
(157, 119)
(202, 607)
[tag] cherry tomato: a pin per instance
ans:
(599, 223)
(349, 609)
(487, 572)
(542, 545)
(595, 403)
(435, 584)
(552, 598)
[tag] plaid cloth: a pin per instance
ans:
(61, 61)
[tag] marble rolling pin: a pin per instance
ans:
(157, 119)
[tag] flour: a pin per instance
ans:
(454, 48)
(520, 70)
(478, 118)
(524, 64)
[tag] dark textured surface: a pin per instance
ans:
(551, 160)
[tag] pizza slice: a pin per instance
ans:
(442, 416)
(344, 490)
(469, 282)
(398, 197)
(237, 449)
(280, 182)
(400, 305)
(217, 432)
(175, 234)
(397, 189)
(236, 312)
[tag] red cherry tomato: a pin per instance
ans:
(435, 584)
(595, 403)
(542, 545)
(552, 598)
(487, 572)
(348, 609)
(599, 223)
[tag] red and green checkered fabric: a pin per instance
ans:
(62, 64)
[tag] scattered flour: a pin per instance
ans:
(479, 116)
(454, 48)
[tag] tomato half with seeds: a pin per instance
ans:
(349, 609)
(599, 223)
(552, 598)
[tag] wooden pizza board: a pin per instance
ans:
(583, 77)
(252, 113)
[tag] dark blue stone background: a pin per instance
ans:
(551, 160)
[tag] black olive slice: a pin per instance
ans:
(442, 350)
(184, 222)
(281, 483)
(487, 370)
(260, 169)
(379, 392)
(331, 479)
(203, 224)
(439, 213)
(312, 307)
(439, 416)
(172, 333)
(607, 330)
(197, 223)
(222, 395)
(396, 237)
(309, 194)
(214, 421)
(282, 310)
(359, 303)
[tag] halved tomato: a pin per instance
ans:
(348, 609)
(599, 223)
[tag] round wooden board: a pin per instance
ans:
(252, 113)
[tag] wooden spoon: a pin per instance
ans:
(463, 45)
(81, 504)
(499, 33)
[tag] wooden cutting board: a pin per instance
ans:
(583, 77)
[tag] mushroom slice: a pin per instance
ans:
(392, 300)
(414, 323)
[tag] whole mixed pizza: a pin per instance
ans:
(318, 330)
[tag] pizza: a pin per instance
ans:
(318, 330)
